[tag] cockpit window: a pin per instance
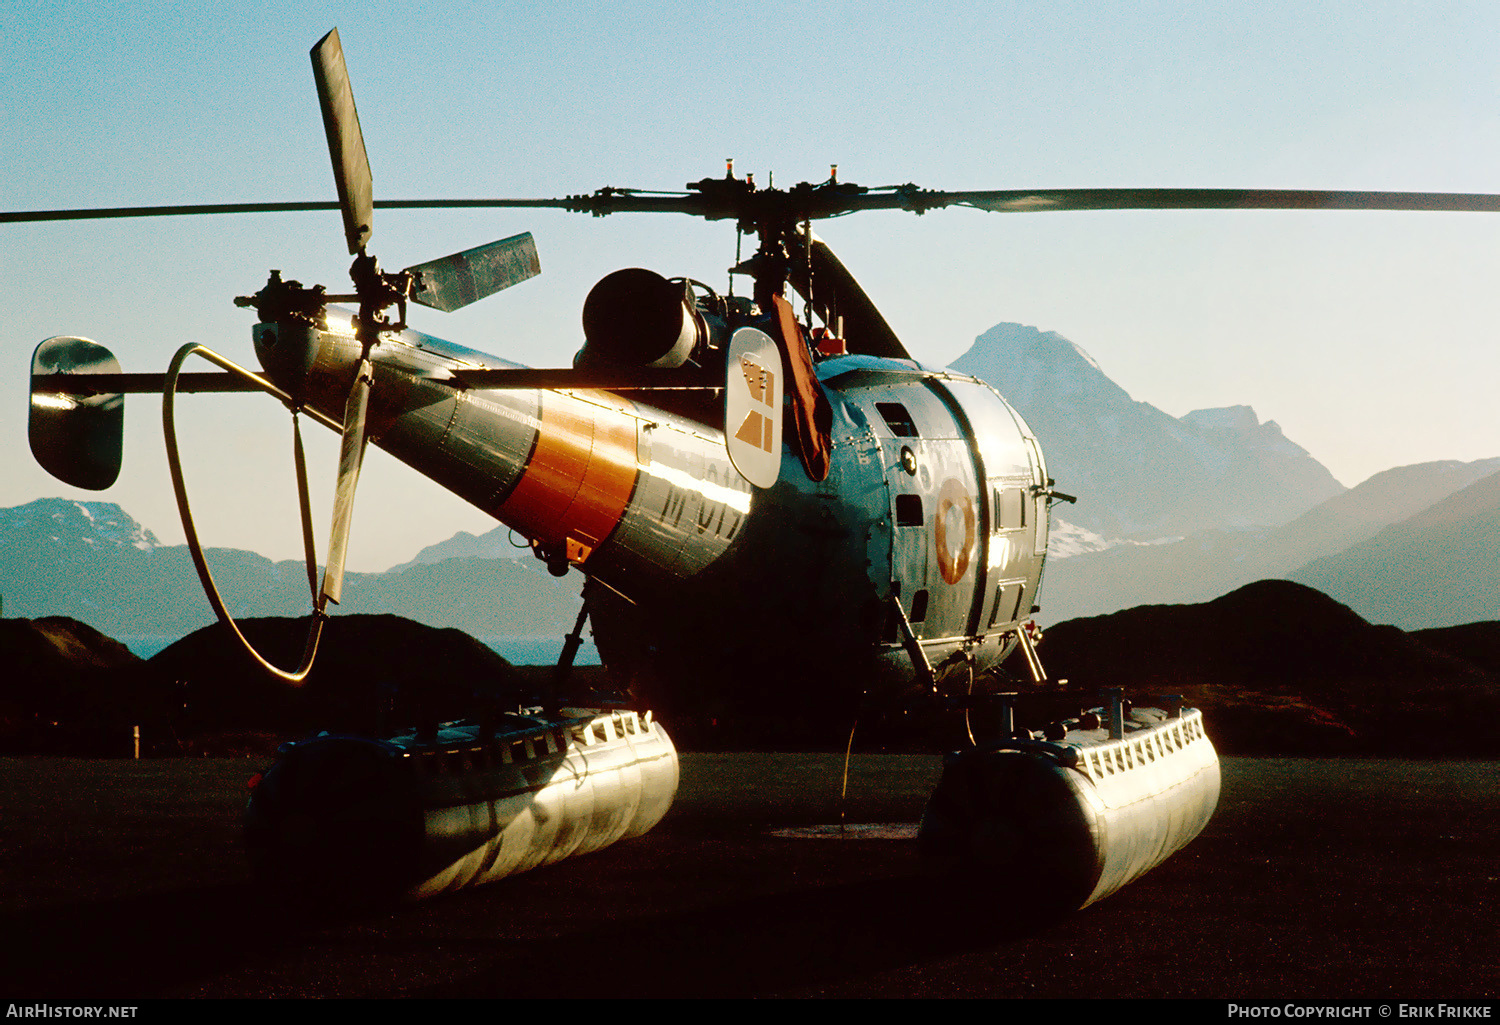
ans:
(897, 419)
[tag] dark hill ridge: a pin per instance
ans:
(1277, 666)
(372, 673)
(1475, 643)
(57, 643)
(51, 664)
(60, 670)
(67, 686)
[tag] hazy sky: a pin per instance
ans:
(1370, 338)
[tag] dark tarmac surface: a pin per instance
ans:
(1316, 879)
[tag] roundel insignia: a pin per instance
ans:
(955, 505)
(752, 406)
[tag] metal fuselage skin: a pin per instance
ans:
(935, 498)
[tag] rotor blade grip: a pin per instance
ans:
(346, 143)
(351, 457)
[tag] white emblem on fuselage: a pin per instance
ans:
(752, 406)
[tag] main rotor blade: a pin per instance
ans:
(454, 282)
(210, 209)
(105, 213)
(351, 457)
(346, 143)
(598, 204)
(835, 295)
(904, 197)
(1032, 201)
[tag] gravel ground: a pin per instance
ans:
(1315, 879)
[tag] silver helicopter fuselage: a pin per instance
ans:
(935, 499)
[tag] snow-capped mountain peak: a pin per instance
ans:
(63, 523)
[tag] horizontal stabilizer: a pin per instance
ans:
(83, 385)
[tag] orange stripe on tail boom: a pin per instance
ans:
(581, 473)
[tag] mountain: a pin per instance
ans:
(494, 544)
(91, 561)
(1438, 568)
(62, 526)
(1277, 666)
(486, 597)
(1139, 473)
(1088, 579)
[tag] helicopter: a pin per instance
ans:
(782, 520)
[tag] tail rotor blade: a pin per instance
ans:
(454, 282)
(351, 457)
(346, 143)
